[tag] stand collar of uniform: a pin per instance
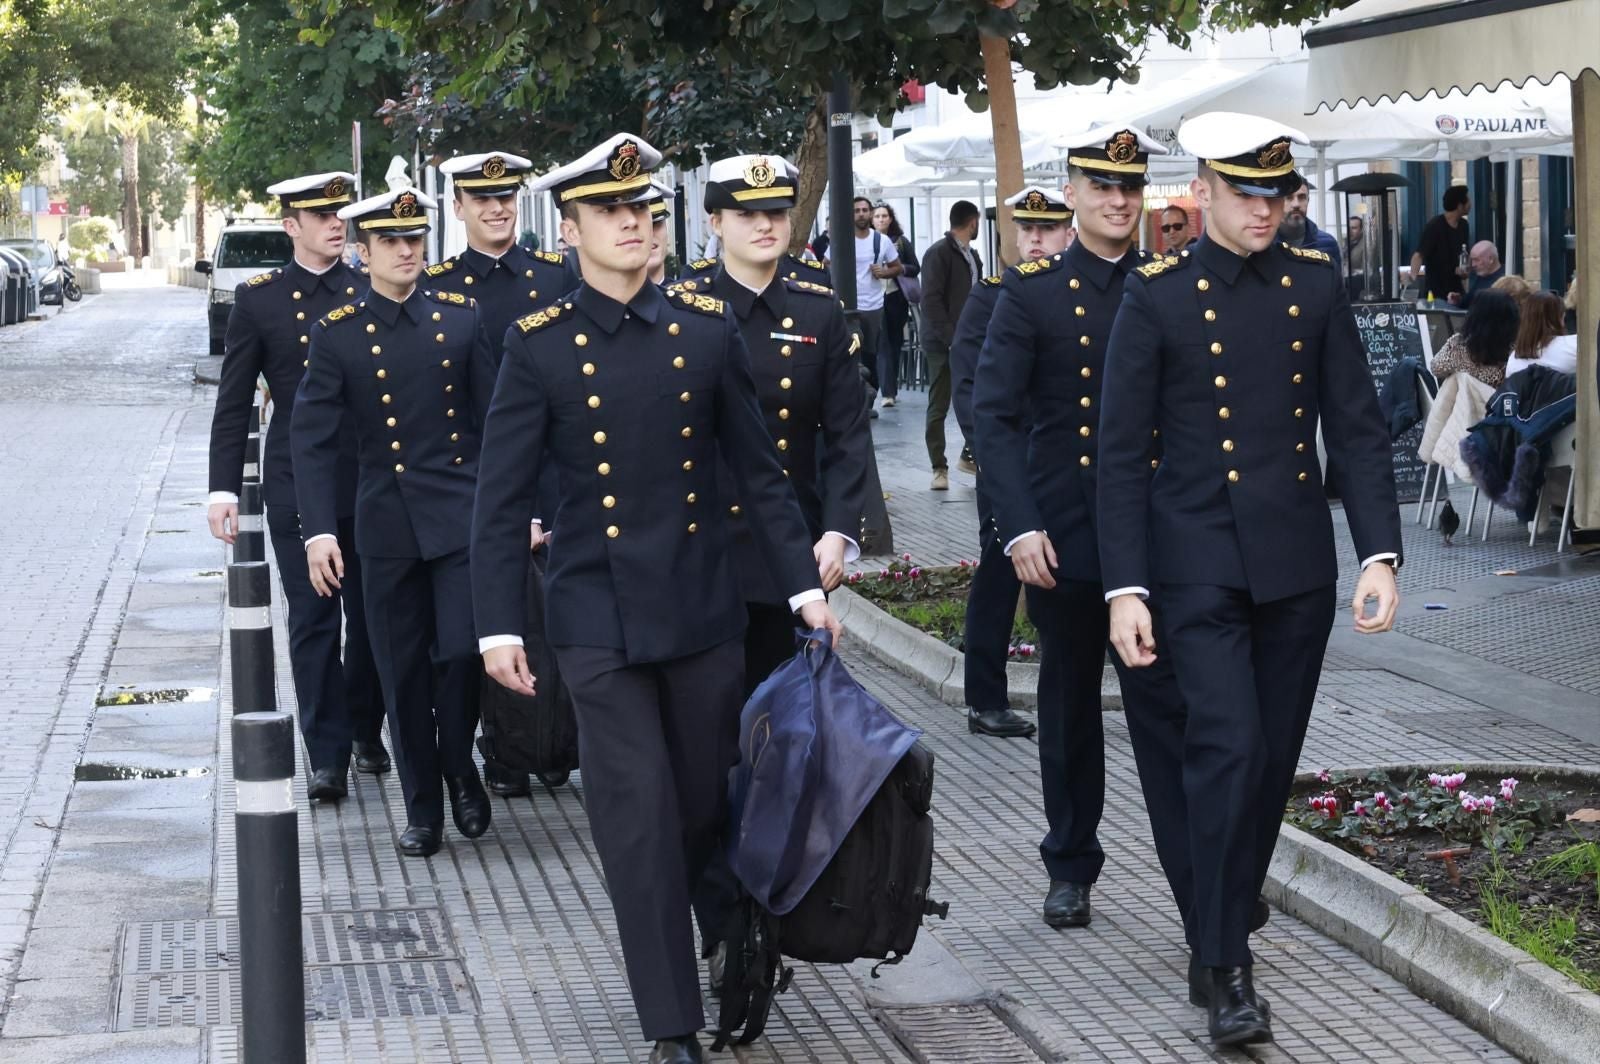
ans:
(743, 298)
(1228, 265)
(481, 264)
(306, 278)
(608, 313)
(1102, 273)
(388, 311)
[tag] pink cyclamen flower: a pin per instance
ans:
(1381, 801)
(916, 571)
(883, 574)
(1453, 782)
(899, 576)
(1025, 649)
(1486, 805)
(1324, 776)
(1359, 809)
(907, 557)
(1469, 803)
(1508, 788)
(1405, 798)
(1435, 780)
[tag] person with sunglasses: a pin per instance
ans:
(1175, 232)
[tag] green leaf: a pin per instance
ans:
(833, 10)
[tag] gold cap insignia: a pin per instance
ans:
(1122, 147)
(1275, 154)
(1036, 202)
(625, 161)
(405, 205)
(494, 166)
(335, 188)
(760, 173)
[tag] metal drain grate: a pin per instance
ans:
(957, 1034)
(366, 964)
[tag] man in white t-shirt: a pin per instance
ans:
(876, 261)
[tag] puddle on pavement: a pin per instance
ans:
(102, 772)
(133, 695)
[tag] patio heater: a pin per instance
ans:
(1372, 267)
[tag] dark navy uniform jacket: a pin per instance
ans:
(636, 403)
(269, 333)
(971, 329)
(1236, 359)
(518, 283)
(802, 354)
(1036, 399)
(790, 268)
(414, 378)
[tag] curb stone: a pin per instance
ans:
(1520, 1002)
(936, 665)
(204, 373)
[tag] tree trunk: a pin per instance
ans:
(199, 222)
(130, 196)
(813, 166)
(1007, 137)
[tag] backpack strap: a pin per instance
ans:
(752, 976)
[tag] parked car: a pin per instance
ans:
(41, 256)
(244, 249)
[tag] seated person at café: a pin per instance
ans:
(1484, 343)
(1542, 339)
(1484, 269)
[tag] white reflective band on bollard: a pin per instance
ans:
(248, 617)
(249, 523)
(252, 471)
(264, 796)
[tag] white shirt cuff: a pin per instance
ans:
(221, 497)
(489, 642)
(321, 535)
(1019, 539)
(852, 549)
(538, 521)
(1386, 556)
(1142, 592)
(814, 595)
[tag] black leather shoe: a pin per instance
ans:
(1200, 988)
(327, 785)
(1000, 722)
(1067, 904)
(1236, 1016)
(372, 757)
(685, 1050)
(504, 782)
(717, 967)
(421, 840)
(1260, 915)
(469, 804)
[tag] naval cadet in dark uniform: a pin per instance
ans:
(637, 395)
(1043, 224)
(338, 702)
(790, 267)
(1236, 349)
(508, 281)
(660, 202)
(412, 369)
(1036, 406)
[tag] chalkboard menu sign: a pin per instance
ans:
(1391, 332)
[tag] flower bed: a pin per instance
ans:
(934, 600)
(1519, 857)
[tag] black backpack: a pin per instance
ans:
(868, 902)
(538, 734)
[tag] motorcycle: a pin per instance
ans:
(60, 281)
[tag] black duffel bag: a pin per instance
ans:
(537, 734)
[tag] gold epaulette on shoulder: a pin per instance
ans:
(1309, 253)
(704, 304)
(454, 297)
(552, 257)
(264, 278)
(1158, 266)
(539, 318)
(1033, 267)
(702, 264)
(338, 313)
(689, 285)
(813, 263)
(441, 267)
(993, 281)
(809, 286)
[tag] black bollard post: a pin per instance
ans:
(255, 686)
(271, 954)
(250, 541)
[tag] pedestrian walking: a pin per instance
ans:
(1036, 406)
(411, 368)
(950, 270)
(1237, 351)
(896, 305)
(338, 698)
(635, 394)
(507, 281)
(1043, 224)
